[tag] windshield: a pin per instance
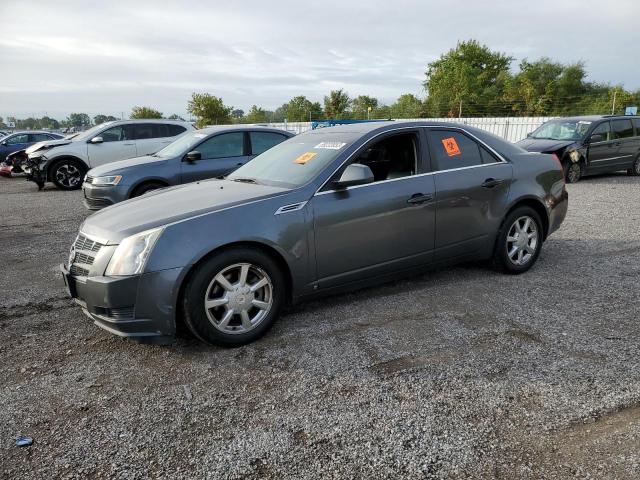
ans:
(562, 130)
(87, 134)
(181, 145)
(293, 162)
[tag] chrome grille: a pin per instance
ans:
(84, 243)
(80, 256)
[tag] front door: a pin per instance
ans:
(220, 155)
(381, 227)
(117, 144)
(472, 187)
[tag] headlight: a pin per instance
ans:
(104, 181)
(131, 255)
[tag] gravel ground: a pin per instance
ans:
(461, 373)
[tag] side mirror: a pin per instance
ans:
(529, 135)
(193, 156)
(596, 138)
(354, 174)
(97, 140)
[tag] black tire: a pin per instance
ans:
(501, 259)
(68, 173)
(198, 288)
(146, 187)
(573, 172)
(634, 171)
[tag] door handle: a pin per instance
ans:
(491, 183)
(128, 144)
(418, 198)
(239, 164)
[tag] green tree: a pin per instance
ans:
(256, 115)
(209, 110)
(98, 119)
(360, 107)
(175, 116)
(301, 109)
(238, 113)
(280, 113)
(142, 113)
(78, 120)
(336, 105)
(407, 106)
(469, 73)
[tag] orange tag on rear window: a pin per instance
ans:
(451, 146)
(304, 158)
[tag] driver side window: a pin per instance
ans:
(115, 134)
(603, 129)
(392, 157)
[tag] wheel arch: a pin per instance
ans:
(268, 250)
(537, 205)
(55, 160)
(146, 180)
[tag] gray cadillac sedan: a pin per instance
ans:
(196, 155)
(325, 211)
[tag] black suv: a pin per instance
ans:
(589, 145)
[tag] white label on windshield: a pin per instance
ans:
(585, 122)
(330, 145)
(199, 135)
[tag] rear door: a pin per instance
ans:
(601, 155)
(151, 137)
(626, 143)
(472, 186)
(220, 154)
(117, 144)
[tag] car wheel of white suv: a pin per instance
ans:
(67, 174)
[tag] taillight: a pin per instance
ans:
(555, 157)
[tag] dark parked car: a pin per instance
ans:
(21, 140)
(589, 145)
(208, 153)
(325, 211)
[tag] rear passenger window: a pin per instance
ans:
(143, 131)
(263, 141)
(39, 137)
(455, 150)
(487, 156)
(622, 128)
(175, 130)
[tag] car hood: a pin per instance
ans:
(168, 205)
(543, 145)
(49, 143)
(113, 168)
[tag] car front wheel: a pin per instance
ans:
(234, 297)
(67, 174)
(519, 241)
(573, 172)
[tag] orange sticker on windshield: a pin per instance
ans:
(304, 158)
(451, 146)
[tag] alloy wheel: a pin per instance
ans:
(522, 240)
(68, 175)
(574, 173)
(238, 298)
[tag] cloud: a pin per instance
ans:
(104, 58)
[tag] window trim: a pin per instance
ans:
(594, 129)
(500, 158)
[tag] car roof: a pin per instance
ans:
(369, 127)
(150, 120)
(33, 131)
(219, 128)
(594, 118)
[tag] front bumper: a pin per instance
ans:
(140, 306)
(97, 197)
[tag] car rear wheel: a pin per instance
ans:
(635, 168)
(573, 172)
(146, 187)
(519, 241)
(67, 174)
(234, 297)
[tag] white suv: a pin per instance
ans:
(65, 162)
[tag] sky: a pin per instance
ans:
(58, 57)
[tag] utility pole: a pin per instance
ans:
(613, 107)
(460, 110)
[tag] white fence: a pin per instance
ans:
(509, 128)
